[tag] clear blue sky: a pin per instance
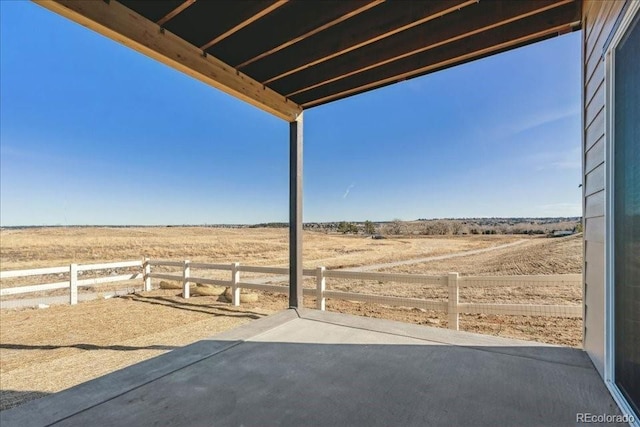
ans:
(94, 133)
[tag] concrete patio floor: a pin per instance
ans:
(308, 367)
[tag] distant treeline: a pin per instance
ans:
(463, 226)
(397, 227)
(270, 225)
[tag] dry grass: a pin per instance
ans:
(49, 247)
(53, 349)
(30, 248)
(538, 256)
(49, 350)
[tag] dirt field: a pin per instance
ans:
(49, 247)
(44, 351)
(47, 350)
(30, 248)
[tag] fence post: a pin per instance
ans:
(235, 279)
(452, 308)
(73, 284)
(147, 275)
(321, 283)
(185, 279)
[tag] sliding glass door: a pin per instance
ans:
(626, 213)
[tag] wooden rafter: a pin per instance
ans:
(476, 24)
(175, 12)
(121, 24)
(312, 32)
(457, 6)
(496, 47)
(244, 23)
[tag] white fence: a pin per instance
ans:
(73, 282)
(453, 282)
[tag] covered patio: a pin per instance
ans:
(303, 367)
(287, 56)
(306, 367)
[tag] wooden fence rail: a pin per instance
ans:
(452, 282)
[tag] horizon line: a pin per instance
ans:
(285, 223)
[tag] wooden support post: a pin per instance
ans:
(452, 308)
(147, 274)
(73, 284)
(295, 213)
(185, 279)
(321, 283)
(235, 279)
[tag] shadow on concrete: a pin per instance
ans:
(85, 347)
(315, 371)
(12, 398)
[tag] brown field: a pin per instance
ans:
(44, 247)
(47, 350)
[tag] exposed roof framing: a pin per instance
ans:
(315, 30)
(456, 27)
(174, 12)
(285, 55)
(120, 23)
(365, 34)
(267, 10)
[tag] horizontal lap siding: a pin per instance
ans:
(594, 205)
(595, 129)
(596, 79)
(599, 18)
(602, 23)
(594, 106)
(594, 310)
(594, 230)
(594, 156)
(594, 181)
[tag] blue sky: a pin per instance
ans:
(94, 133)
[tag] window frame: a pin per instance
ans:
(609, 109)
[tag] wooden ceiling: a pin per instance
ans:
(291, 55)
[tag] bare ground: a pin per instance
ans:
(44, 247)
(43, 351)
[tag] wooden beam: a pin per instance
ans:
(123, 25)
(244, 23)
(312, 32)
(386, 32)
(175, 12)
(443, 31)
(457, 59)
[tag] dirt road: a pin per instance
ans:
(434, 258)
(374, 267)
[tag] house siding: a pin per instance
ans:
(599, 19)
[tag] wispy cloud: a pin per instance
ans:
(347, 191)
(540, 118)
(566, 164)
(560, 160)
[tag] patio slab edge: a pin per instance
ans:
(509, 346)
(66, 403)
